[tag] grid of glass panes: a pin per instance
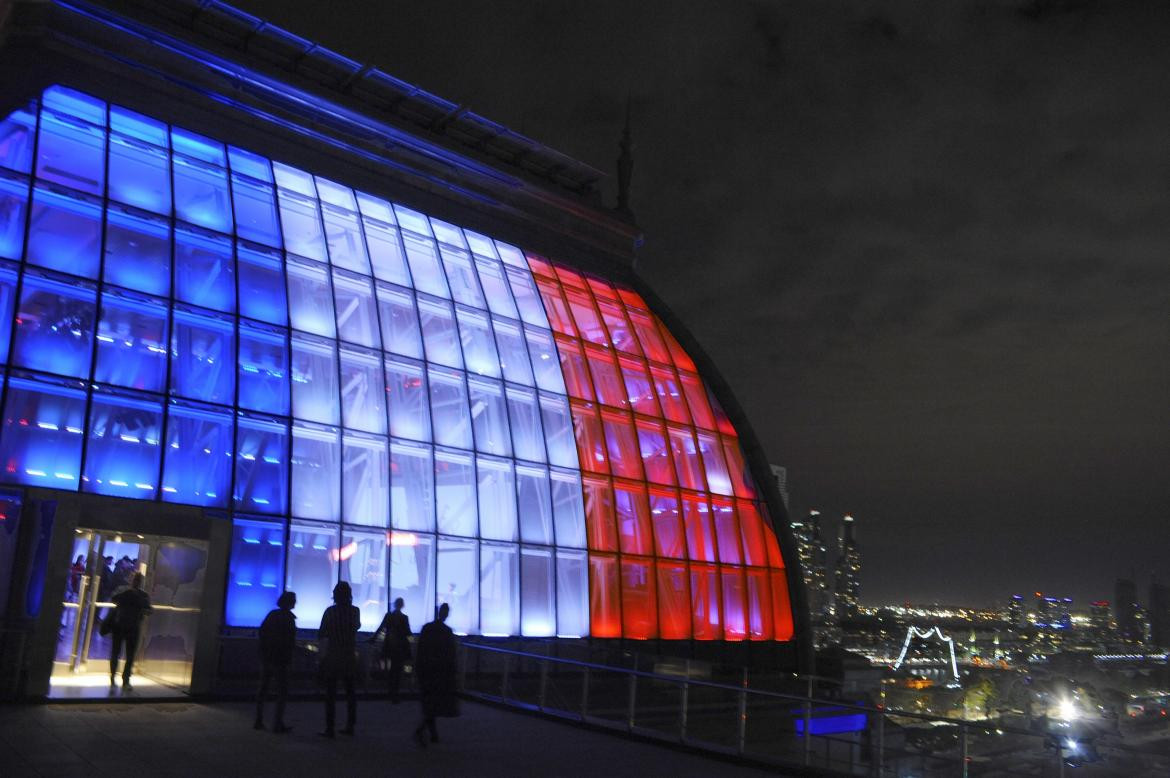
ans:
(679, 543)
(373, 395)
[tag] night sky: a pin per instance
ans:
(928, 244)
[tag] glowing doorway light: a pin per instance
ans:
(922, 634)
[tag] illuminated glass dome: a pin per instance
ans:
(366, 392)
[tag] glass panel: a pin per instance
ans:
(734, 621)
(647, 332)
(633, 518)
(669, 540)
(674, 601)
(140, 175)
(620, 332)
(591, 448)
(201, 194)
(611, 389)
(310, 301)
(624, 455)
(640, 393)
(455, 499)
(499, 589)
(599, 514)
(400, 330)
(781, 607)
(255, 572)
(197, 147)
(538, 609)
(300, 223)
(262, 287)
(406, 392)
(312, 569)
(513, 354)
(413, 220)
(495, 288)
(423, 258)
(264, 370)
(479, 348)
(122, 453)
(197, 467)
(497, 499)
(365, 480)
(13, 204)
(679, 355)
(558, 431)
(586, 318)
(54, 326)
(527, 437)
(655, 452)
(363, 565)
(316, 472)
(527, 298)
(535, 505)
(386, 252)
(16, 146)
(572, 594)
(717, 478)
(639, 606)
(461, 277)
(248, 164)
(706, 601)
(412, 501)
(255, 208)
(740, 474)
(489, 417)
(755, 550)
(511, 255)
(448, 234)
(775, 558)
(314, 379)
(41, 441)
(363, 390)
(697, 400)
(568, 509)
(204, 270)
(458, 580)
(452, 419)
(686, 459)
(261, 464)
(357, 317)
(605, 603)
(203, 360)
(138, 252)
(412, 574)
(574, 369)
(700, 535)
(759, 605)
(131, 342)
(344, 235)
(669, 395)
(558, 310)
(440, 335)
(727, 532)
(65, 233)
(7, 304)
(71, 152)
(545, 362)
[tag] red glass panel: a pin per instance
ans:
(700, 534)
(718, 481)
(601, 289)
(625, 459)
(674, 601)
(775, 558)
(590, 438)
(648, 335)
(599, 525)
(751, 525)
(639, 391)
(540, 266)
(759, 604)
(621, 334)
(569, 277)
(605, 604)
(726, 531)
(734, 616)
(781, 607)
(697, 400)
(706, 602)
(611, 390)
(632, 299)
(669, 540)
(686, 459)
(573, 368)
(585, 315)
(556, 307)
(639, 609)
(633, 518)
(655, 453)
(669, 394)
(722, 420)
(678, 354)
(741, 476)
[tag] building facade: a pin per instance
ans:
(847, 591)
(272, 319)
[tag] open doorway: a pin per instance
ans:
(102, 563)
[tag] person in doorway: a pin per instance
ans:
(435, 667)
(76, 570)
(131, 605)
(106, 579)
(395, 632)
(338, 636)
(278, 639)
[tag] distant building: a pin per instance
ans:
(1099, 621)
(1016, 612)
(781, 476)
(848, 585)
(1126, 611)
(1159, 614)
(814, 558)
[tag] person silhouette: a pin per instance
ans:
(130, 606)
(395, 630)
(435, 667)
(338, 634)
(278, 639)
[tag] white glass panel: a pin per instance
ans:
(335, 194)
(312, 570)
(423, 258)
(400, 330)
(527, 298)
(539, 614)
(310, 302)
(363, 565)
(300, 224)
(363, 390)
(386, 252)
(440, 334)
(459, 584)
(412, 575)
(365, 480)
(344, 235)
(497, 499)
(568, 509)
(572, 594)
(480, 244)
(527, 435)
(412, 501)
(479, 348)
(406, 392)
(316, 472)
(545, 363)
(513, 352)
(413, 220)
(489, 417)
(535, 504)
(314, 379)
(499, 589)
(558, 431)
(376, 208)
(455, 492)
(448, 234)
(449, 411)
(461, 277)
(495, 288)
(357, 317)
(295, 180)
(511, 255)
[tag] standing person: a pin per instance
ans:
(435, 666)
(278, 639)
(76, 570)
(395, 629)
(130, 606)
(338, 633)
(106, 579)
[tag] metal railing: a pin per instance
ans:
(786, 730)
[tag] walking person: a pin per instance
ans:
(435, 668)
(130, 606)
(278, 640)
(338, 635)
(395, 632)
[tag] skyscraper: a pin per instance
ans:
(781, 476)
(814, 555)
(1099, 619)
(1015, 610)
(848, 586)
(1125, 611)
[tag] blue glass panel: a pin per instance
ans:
(264, 374)
(13, 204)
(204, 270)
(365, 495)
(202, 357)
(72, 153)
(7, 303)
(138, 252)
(462, 277)
(198, 466)
(197, 147)
(140, 175)
(406, 394)
(363, 390)
(122, 454)
(137, 126)
(357, 314)
(423, 257)
(201, 194)
(65, 233)
(67, 101)
(41, 440)
(310, 300)
(262, 286)
(131, 342)
(481, 245)
(375, 208)
(314, 379)
(344, 234)
(54, 326)
(399, 320)
(255, 572)
(448, 233)
(413, 220)
(301, 225)
(256, 217)
(386, 252)
(16, 133)
(249, 164)
(412, 494)
(316, 472)
(261, 464)
(313, 554)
